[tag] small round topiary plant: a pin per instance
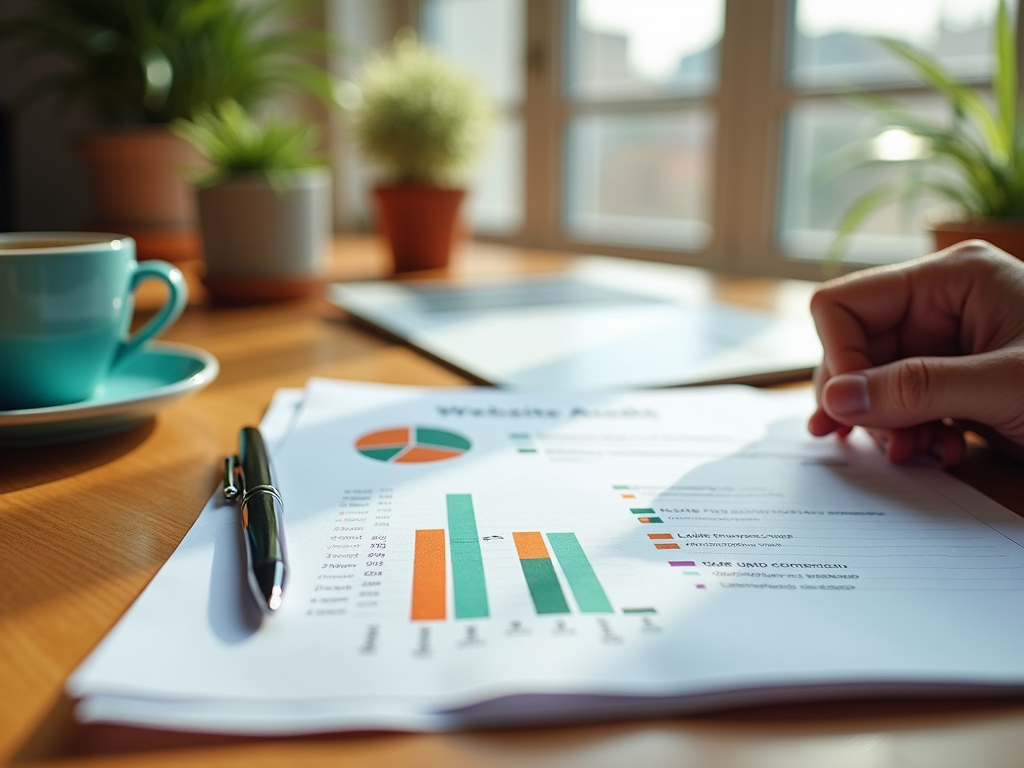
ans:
(420, 118)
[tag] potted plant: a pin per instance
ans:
(143, 63)
(264, 204)
(423, 122)
(974, 160)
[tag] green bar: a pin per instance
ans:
(467, 559)
(543, 583)
(620, 487)
(578, 572)
(527, 450)
(643, 511)
(638, 610)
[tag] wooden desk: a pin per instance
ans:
(84, 527)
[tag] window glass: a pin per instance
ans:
(818, 185)
(831, 42)
(486, 38)
(640, 178)
(496, 204)
(643, 48)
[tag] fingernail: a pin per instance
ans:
(847, 395)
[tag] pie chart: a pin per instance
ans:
(412, 444)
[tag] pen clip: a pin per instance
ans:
(231, 478)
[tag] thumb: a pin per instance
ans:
(916, 390)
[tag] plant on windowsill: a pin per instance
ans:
(141, 64)
(974, 161)
(424, 122)
(264, 204)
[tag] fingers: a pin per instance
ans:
(982, 388)
(908, 346)
(820, 423)
(936, 439)
(851, 312)
(962, 301)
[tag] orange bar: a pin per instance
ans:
(428, 576)
(530, 545)
(666, 546)
(659, 535)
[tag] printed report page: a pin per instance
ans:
(454, 547)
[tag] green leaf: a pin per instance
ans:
(233, 142)
(976, 160)
(864, 206)
(213, 49)
(962, 98)
(1004, 79)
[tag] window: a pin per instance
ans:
(639, 125)
(487, 37)
(696, 131)
(831, 48)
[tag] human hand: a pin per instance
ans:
(917, 352)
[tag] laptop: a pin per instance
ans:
(605, 323)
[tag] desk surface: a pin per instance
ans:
(84, 527)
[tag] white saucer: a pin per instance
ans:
(146, 382)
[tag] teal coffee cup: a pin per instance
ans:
(66, 305)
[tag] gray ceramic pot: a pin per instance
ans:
(258, 235)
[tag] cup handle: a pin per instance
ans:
(169, 312)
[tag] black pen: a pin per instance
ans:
(247, 476)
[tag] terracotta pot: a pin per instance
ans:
(266, 243)
(139, 189)
(420, 224)
(1005, 234)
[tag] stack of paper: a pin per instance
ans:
(466, 557)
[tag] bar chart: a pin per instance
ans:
(468, 580)
(539, 572)
(573, 586)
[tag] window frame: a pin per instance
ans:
(749, 108)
